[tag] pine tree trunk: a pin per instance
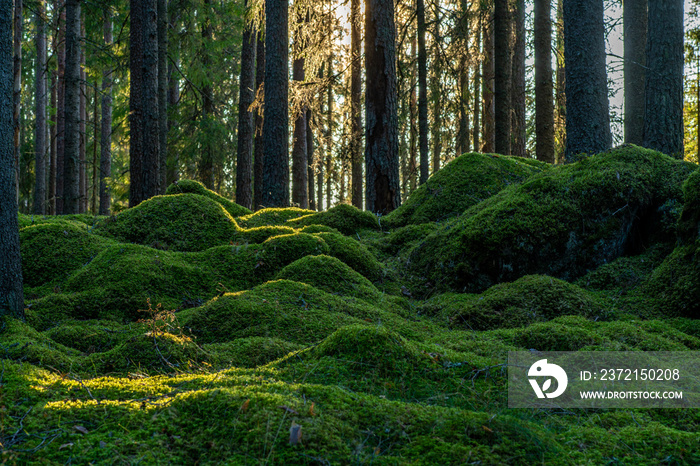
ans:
(502, 81)
(172, 163)
(206, 161)
(518, 116)
(422, 95)
(634, 14)
(246, 130)
(310, 160)
(95, 161)
(300, 156)
(413, 135)
(381, 144)
(487, 85)
(71, 161)
(436, 96)
(60, 106)
(663, 118)
(329, 134)
(11, 294)
(560, 99)
(462, 140)
(82, 166)
(51, 195)
(162, 28)
(355, 103)
(17, 88)
(259, 153)
(40, 112)
(476, 108)
(106, 132)
(544, 105)
(587, 116)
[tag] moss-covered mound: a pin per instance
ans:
(271, 216)
(462, 183)
(181, 222)
(195, 187)
(331, 275)
(53, 251)
(353, 253)
(530, 299)
(251, 351)
(80, 220)
(562, 222)
(345, 218)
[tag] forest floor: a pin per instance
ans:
(188, 330)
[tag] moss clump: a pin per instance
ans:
(92, 336)
(53, 251)
(674, 287)
(21, 342)
(311, 229)
(195, 187)
(285, 249)
(562, 222)
(353, 253)
(530, 299)
(331, 275)
(272, 216)
(260, 234)
(462, 183)
(250, 352)
(402, 239)
(79, 220)
(181, 222)
(689, 224)
(345, 218)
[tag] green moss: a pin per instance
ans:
(462, 183)
(285, 249)
(331, 275)
(181, 222)
(195, 187)
(562, 222)
(53, 251)
(530, 299)
(79, 220)
(271, 217)
(250, 352)
(21, 342)
(353, 253)
(260, 234)
(689, 224)
(403, 239)
(674, 286)
(345, 218)
(311, 229)
(92, 336)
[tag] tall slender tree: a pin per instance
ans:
(502, 81)
(17, 88)
(518, 115)
(172, 169)
(40, 95)
(587, 113)
(246, 119)
(162, 27)
(11, 294)
(310, 160)
(422, 94)
(71, 161)
(59, 5)
(275, 192)
(106, 132)
(663, 116)
(300, 159)
(462, 35)
(206, 161)
(544, 105)
(258, 143)
(488, 71)
(355, 103)
(383, 193)
(634, 17)
(82, 147)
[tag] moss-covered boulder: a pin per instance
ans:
(345, 218)
(53, 251)
(562, 222)
(353, 253)
(462, 183)
(181, 222)
(195, 187)
(530, 299)
(271, 216)
(674, 286)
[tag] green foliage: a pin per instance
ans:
(195, 187)
(462, 183)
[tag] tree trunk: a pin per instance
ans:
(329, 134)
(51, 196)
(60, 106)
(206, 161)
(663, 118)
(587, 116)
(246, 129)
(476, 109)
(413, 135)
(275, 192)
(487, 85)
(82, 166)
(355, 103)
(143, 102)
(462, 140)
(634, 14)
(17, 88)
(40, 112)
(321, 146)
(560, 99)
(544, 105)
(106, 133)
(11, 294)
(518, 116)
(422, 95)
(162, 28)
(259, 153)
(300, 157)
(503, 70)
(71, 161)
(381, 142)
(95, 135)
(310, 160)
(436, 95)
(172, 163)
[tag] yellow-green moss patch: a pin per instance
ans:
(345, 218)
(195, 187)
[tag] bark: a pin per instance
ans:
(11, 294)
(663, 118)
(106, 133)
(275, 192)
(587, 116)
(329, 133)
(51, 195)
(82, 166)
(95, 161)
(162, 27)
(634, 14)
(258, 143)
(71, 161)
(476, 109)
(436, 95)
(383, 194)
(40, 112)
(206, 162)
(60, 107)
(518, 116)
(246, 121)
(143, 102)
(310, 160)
(502, 81)
(560, 99)
(300, 157)
(413, 134)
(321, 148)
(17, 88)
(356, 103)
(544, 105)
(462, 140)
(487, 85)
(172, 173)
(422, 95)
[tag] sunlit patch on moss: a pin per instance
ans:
(195, 187)
(345, 218)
